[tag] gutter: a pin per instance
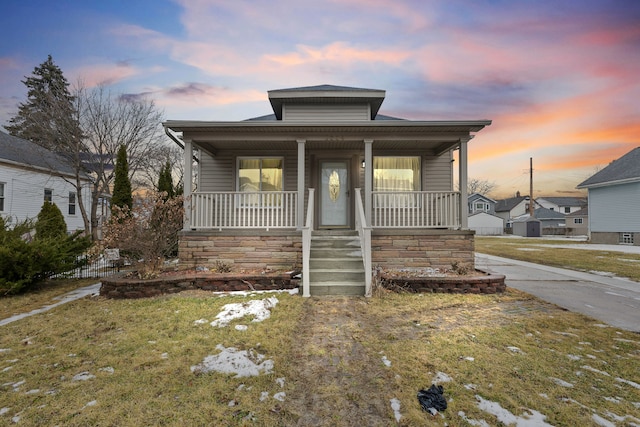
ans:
(177, 141)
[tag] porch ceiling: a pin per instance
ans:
(403, 135)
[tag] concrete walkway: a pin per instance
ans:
(63, 299)
(612, 300)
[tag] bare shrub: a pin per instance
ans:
(148, 232)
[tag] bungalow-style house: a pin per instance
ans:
(577, 223)
(327, 185)
(614, 201)
(481, 203)
(31, 175)
(564, 205)
(512, 207)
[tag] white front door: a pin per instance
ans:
(334, 194)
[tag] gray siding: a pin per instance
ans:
(325, 113)
(437, 173)
(615, 208)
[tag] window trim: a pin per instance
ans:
(626, 238)
(72, 204)
(242, 202)
(578, 221)
(2, 197)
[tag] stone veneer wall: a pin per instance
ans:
(399, 248)
(242, 249)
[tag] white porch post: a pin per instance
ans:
(188, 178)
(300, 207)
(462, 173)
(368, 178)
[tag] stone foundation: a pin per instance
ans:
(241, 249)
(123, 287)
(441, 249)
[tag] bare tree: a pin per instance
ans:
(150, 171)
(480, 186)
(109, 121)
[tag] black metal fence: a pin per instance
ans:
(95, 268)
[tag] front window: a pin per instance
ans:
(72, 203)
(396, 174)
(577, 220)
(567, 209)
(48, 195)
(256, 175)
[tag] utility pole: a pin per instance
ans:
(531, 207)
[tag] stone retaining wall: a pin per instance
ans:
(123, 287)
(242, 249)
(394, 249)
(481, 284)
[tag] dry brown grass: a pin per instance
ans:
(538, 251)
(330, 352)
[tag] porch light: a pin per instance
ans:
(363, 163)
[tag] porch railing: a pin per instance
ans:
(415, 209)
(306, 246)
(268, 209)
(364, 232)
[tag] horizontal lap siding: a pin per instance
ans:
(438, 174)
(325, 113)
(615, 208)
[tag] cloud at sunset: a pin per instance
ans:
(558, 80)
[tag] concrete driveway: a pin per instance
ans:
(614, 301)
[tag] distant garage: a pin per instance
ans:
(485, 224)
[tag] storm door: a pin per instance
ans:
(334, 194)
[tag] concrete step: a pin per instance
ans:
(337, 288)
(335, 275)
(348, 263)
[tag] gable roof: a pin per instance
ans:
(326, 94)
(565, 201)
(624, 170)
(582, 212)
(477, 196)
(510, 203)
(14, 150)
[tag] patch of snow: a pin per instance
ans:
(612, 399)
(241, 327)
(83, 376)
(34, 391)
(264, 396)
(543, 395)
(601, 421)
(574, 357)
(280, 382)
(4, 410)
(589, 368)
(16, 419)
(470, 386)
(566, 334)
(601, 325)
(441, 377)
(107, 369)
(243, 363)
(561, 383)
(530, 419)
(280, 396)
(615, 339)
(528, 249)
(8, 368)
(259, 309)
(386, 361)
(469, 359)
(18, 384)
(395, 406)
(4, 350)
(232, 403)
(470, 421)
(164, 355)
(200, 321)
(631, 383)
(515, 349)
(89, 404)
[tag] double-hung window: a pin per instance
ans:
(1, 196)
(48, 195)
(258, 177)
(72, 203)
(396, 175)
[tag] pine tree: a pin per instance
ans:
(122, 186)
(165, 181)
(50, 223)
(48, 117)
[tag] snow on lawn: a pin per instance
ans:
(243, 363)
(530, 419)
(259, 309)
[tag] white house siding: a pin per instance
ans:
(325, 113)
(485, 224)
(24, 195)
(615, 208)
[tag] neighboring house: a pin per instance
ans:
(280, 191)
(511, 208)
(485, 224)
(480, 203)
(577, 223)
(29, 175)
(614, 201)
(564, 205)
(551, 222)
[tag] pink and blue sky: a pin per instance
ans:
(559, 78)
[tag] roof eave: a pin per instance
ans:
(609, 183)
